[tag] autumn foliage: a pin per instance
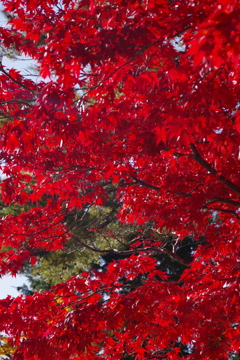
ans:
(137, 100)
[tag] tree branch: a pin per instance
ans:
(216, 199)
(229, 184)
(139, 52)
(224, 201)
(16, 81)
(143, 183)
(196, 156)
(174, 256)
(225, 211)
(21, 101)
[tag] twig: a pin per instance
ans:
(131, 59)
(16, 81)
(21, 101)
(143, 183)
(196, 156)
(225, 211)
(225, 201)
(175, 257)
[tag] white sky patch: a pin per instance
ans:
(8, 285)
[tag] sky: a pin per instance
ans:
(8, 284)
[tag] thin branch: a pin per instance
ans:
(215, 199)
(175, 257)
(16, 81)
(224, 201)
(114, 72)
(21, 101)
(229, 184)
(225, 211)
(182, 194)
(139, 52)
(143, 183)
(71, 168)
(196, 156)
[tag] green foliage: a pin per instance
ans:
(98, 239)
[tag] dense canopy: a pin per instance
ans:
(135, 113)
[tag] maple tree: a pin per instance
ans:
(138, 104)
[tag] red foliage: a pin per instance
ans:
(157, 118)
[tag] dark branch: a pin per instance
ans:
(229, 184)
(225, 201)
(174, 256)
(196, 156)
(143, 183)
(21, 101)
(16, 81)
(139, 52)
(225, 211)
